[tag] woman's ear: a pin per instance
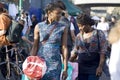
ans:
(49, 13)
(83, 26)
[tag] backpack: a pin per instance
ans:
(14, 32)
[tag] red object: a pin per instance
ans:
(34, 67)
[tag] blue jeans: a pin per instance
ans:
(87, 77)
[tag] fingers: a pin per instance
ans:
(98, 74)
(64, 76)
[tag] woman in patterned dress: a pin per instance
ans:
(50, 40)
(90, 46)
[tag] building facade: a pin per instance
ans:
(36, 3)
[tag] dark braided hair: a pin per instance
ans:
(84, 19)
(61, 5)
(51, 7)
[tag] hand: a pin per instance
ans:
(64, 75)
(99, 71)
(73, 57)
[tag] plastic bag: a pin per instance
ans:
(24, 77)
(34, 67)
(75, 70)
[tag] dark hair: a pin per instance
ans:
(51, 7)
(113, 17)
(61, 5)
(22, 11)
(26, 14)
(85, 19)
(63, 14)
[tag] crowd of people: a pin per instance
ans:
(63, 39)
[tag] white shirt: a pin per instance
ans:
(114, 64)
(71, 24)
(104, 27)
(26, 25)
(12, 9)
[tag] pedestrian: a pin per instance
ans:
(90, 48)
(34, 22)
(104, 26)
(4, 25)
(114, 64)
(112, 21)
(65, 21)
(49, 35)
(25, 42)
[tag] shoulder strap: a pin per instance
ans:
(87, 50)
(98, 40)
(44, 41)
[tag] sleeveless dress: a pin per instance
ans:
(50, 51)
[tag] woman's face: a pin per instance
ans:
(55, 14)
(80, 26)
(23, 15)
(84, 28)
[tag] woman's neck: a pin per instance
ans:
(50, 20)
(88, 30)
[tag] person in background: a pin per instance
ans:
(90, 48)
(25, 42)
(28, 23)
(73, 21)
(113, 21)
(96, 19)
(22, 22)
(70, 41)
(50, 42)
(4, 25)
(114, 64)
(104, 26)
(34, 22)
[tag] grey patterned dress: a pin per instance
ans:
(50, 51)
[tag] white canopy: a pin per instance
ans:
(78, 2)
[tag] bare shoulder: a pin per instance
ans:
(39, 25)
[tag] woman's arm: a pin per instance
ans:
(101, 63)
(36, 41)
(65, 53)
(64, 49)
(74, 52)
(73, 56)
(27, 40)
(73, 35)
(103, 49)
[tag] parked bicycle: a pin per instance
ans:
(11, 61)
